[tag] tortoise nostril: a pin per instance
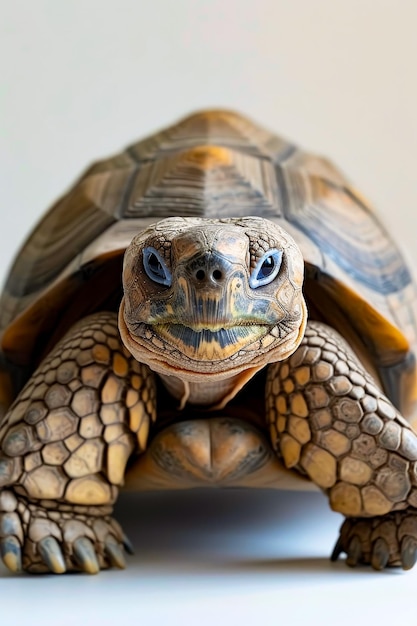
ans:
(217, 275)
(202, 276)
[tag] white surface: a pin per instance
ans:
(219, 558)
(81, 79)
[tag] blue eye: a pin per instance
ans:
(155, 267)
(266, 269)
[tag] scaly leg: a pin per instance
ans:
(330, 421)
(64, 446)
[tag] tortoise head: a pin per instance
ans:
(212, 297)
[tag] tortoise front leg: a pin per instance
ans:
(330, 421)
(64, 447)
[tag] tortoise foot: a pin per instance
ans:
(63, 538)
(387, 541)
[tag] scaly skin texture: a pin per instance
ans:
(69, 434)
(64, 447)
(330, 421)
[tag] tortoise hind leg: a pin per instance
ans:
(330, 421)
(64, 447)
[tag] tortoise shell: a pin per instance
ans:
(215, 164)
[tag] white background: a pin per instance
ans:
(79, 80)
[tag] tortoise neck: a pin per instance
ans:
(209, 393)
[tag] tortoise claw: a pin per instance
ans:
(114, 553)
(51, 554)
(57, 543)
(86, 556)
(11, 553)
(337, 550)
(127, 544)
(380, 554)
(408, 552)
(354, 552)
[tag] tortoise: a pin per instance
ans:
(211, 307)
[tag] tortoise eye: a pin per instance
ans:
(266, 269)
(155, 267)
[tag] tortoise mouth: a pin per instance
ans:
(213, 343)
(215, 348)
